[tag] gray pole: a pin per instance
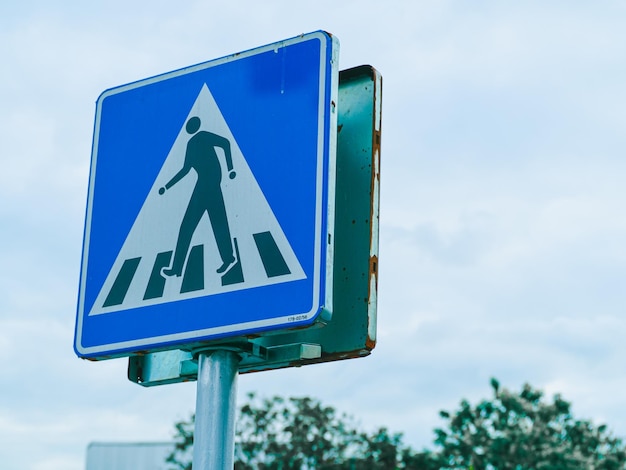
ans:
(214, 434)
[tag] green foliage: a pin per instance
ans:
(295, 433)
(511, 431)
(298, 433)
(182, 455)
(522, 432)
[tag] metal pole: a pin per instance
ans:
(214, 434)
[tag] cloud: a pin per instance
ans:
(501, 236)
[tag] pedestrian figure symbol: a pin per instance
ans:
(205, 226)
(206, 197)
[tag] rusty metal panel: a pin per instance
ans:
(352, 330)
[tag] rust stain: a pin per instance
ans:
(324, 358)
(370, 342)
(373, 265)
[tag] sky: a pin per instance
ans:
(502, 228)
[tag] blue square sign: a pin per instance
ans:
(210, 203)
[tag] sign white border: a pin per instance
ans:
(326, 110)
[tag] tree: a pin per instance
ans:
(511, 431)
(297, 433)
(520, 432)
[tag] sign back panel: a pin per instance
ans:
(351, 333)
(210, 204)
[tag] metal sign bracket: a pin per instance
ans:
(184, 365)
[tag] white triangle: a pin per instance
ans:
(156, 227)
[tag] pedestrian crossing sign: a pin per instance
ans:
(210, 203)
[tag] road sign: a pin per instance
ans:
(352, 331)
(211, 200)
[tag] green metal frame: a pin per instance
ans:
(351, 332)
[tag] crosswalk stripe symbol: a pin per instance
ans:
(122, 282)
(156, 284)
(273, 262)
(204, 228)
